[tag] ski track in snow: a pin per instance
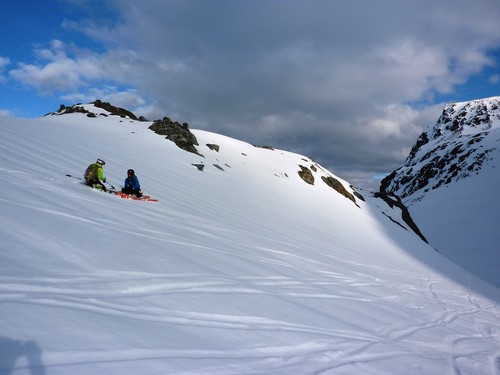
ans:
(120, 295)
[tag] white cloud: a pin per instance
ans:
(55, 70)
(395, 122)
(77, 73)
(6, 113)
(494, 79)
(4, 61)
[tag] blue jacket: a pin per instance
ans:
(132, 182)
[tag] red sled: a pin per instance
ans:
(146, 198)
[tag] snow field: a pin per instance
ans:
(243, 271)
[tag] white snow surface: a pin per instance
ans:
(245, 270)
(462, 221)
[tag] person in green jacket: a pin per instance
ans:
(94, 175)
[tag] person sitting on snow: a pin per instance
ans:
(131, 185)
(94, 175)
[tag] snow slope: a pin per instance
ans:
(241, 268)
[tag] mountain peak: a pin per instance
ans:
(468, 117)
(461, 143)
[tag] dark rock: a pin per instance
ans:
(266, 147)
(78, 108)
(116, 110)
(422, 140)
(357, 194)
(306, 174)
(213, 147)
(337, 186)
(177, 133)
(405, 214)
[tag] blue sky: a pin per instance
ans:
(350, 84)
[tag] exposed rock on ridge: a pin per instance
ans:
(177, 133)
(337, 185)
(306, 174)
(115, 111)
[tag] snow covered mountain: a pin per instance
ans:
(253, 261)
(453, 172)
(463, 141)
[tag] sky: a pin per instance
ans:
(349, 84)
(242, 268)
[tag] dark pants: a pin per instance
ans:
(96, 184)
(129, 190)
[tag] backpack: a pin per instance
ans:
(91, 172)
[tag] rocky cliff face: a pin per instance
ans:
(463, 140)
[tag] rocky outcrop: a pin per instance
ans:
(265, 147)
(177, 133)
(77, 108)
(112, 110)
(395, 201)
(213, 147)
(337, 186)
(117, 111)
(306, 174)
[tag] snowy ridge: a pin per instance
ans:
(464, 140)
(242, 268)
